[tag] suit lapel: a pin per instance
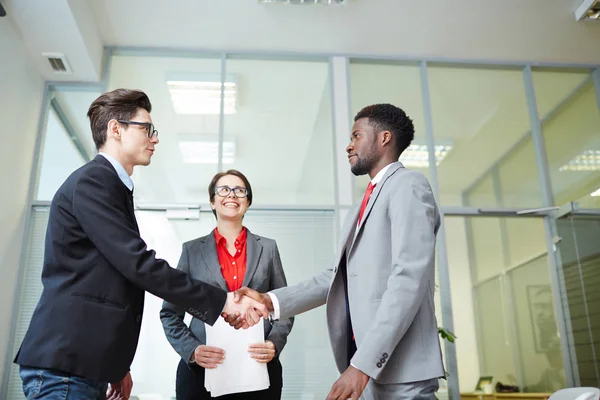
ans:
(208, 251)
(378, 188)
(132, 208)
(253, 252)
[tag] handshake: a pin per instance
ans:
(245, 306)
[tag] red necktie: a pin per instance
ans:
(365, 201)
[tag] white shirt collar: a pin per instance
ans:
(377, 178)
(123, 175)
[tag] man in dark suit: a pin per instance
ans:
(85, 328)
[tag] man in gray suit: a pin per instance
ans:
(380, 291)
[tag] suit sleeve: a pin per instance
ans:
(281, 328)
(414, 220)
(106, 221)
(180, 336)
(304, 296)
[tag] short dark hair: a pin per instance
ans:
(234, 172)
(387, 117)
(120, 104)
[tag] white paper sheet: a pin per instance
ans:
(239, 372)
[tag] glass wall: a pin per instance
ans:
(570, 122)
(186, 115)
(480, 120)
(397, 84)
(67, 140)
(282, 130)
(276, 128)
(501, 268)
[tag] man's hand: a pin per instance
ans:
(120, 390)
(246, 310)
(238, 320)
(262, 352)
(208, 356)
(349, 386)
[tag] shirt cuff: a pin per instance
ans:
(275, 302)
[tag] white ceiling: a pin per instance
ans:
(542, 30)
(509, 30)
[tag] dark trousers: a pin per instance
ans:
(189, 384)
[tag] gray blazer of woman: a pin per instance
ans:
(199, 259)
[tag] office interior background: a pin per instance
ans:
(505, 98)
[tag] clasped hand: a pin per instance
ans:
(243, 309)
(259, 303)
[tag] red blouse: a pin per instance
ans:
(233, 267)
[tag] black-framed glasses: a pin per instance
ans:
(149, 127)
(239, 192)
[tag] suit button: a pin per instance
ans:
(382, 360)
(138, 318)
(379, 365)
(384, 355)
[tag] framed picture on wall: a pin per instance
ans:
(483, 381)
(541, 313)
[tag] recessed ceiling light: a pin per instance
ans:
(202, 97)
(206, 151)
(589, 160)
(596, 193)
(417, 156)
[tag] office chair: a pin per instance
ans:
(578, 393)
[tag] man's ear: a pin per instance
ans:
(113, 128)
(386, 137)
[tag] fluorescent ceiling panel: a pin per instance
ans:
(589, 160)
(416, 155)
(206, 151)
(202, 97)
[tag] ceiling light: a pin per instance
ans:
(417, 156)
(596, 193)
(206, 151)
(589, 160)
(202, 97)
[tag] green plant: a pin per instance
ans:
(446, 334)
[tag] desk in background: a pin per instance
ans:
(504, 396)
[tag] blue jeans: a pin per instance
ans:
(49, 384)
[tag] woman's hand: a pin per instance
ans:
(262, 352)
(208, 356)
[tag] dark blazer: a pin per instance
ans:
(199, 258)
(96, 269)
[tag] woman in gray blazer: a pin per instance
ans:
(229, 257)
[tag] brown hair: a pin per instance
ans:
(120, 104)
(234, 172)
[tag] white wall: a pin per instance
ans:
(21, 89)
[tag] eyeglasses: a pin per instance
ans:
(239, 192)
(149, 127)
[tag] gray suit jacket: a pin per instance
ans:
(391, 281)
(199, 259)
